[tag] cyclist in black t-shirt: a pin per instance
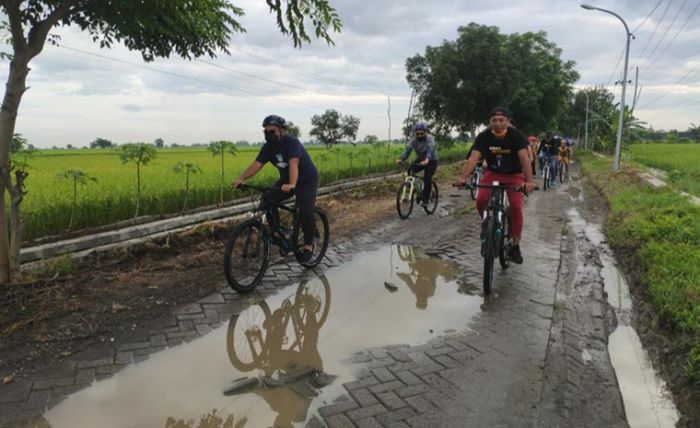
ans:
(505, 151)
(298, 175)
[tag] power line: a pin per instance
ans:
(648, 16)
(656, 28)
(182, 76)
(619, 60)
(663, 36)
(252, 76)
(675, 36)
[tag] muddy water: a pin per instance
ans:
(645, 395)
(300, 343)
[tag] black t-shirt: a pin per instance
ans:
(279, 154)
(501, 154)
(550, 147)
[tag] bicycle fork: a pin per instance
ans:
(410, 180)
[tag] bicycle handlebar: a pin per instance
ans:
(254, 187)
(491, 186)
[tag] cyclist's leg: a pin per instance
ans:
(428, 179)
(553, 169)
(484, 194)
(306, 203)
(272, 197)
(516, 200)
(541, 157)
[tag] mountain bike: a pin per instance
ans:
(259, 338)
(247, 252)
(546, 173)
(410, 191)
(496, 233)
(474, 181)
(563, 169)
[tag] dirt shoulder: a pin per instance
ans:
(88, 302)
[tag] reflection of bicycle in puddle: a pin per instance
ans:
(283, 345)
(423, 273)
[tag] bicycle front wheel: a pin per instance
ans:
(433, 199)
(246, 256)
(561, 172)
(488, 252)
(506, 242)
(476, 178)
(545, 177)
(246, 337)
(320, 239)
(404, 201)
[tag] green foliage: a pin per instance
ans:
(188, 168)
(77, 177)
(331, 127)
(291, 20)
(220, 149)
(660, 230)
(101, 143)
(459, 82)
(292, 129)
(138, 154)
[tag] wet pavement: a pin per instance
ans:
(392, 330)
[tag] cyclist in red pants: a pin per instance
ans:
(505, 151)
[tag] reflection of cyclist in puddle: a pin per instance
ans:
(284, 345)
(423, 275)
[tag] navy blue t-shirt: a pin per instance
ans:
(279, 154)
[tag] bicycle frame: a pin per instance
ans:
(415, 181)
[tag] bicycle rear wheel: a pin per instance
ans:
(561, 172)
(488, 252)
(246, 256)
(404, 200)
(545, 177)
(320, 240)
(433, 199)
(476, 178)
(506, 242)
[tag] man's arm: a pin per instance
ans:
(407, 152)
(252, 169)
(293, 175)
(525, 164)
(469, 166)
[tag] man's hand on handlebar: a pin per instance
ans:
(528, 187)
(461, 181)
(237, 183)
(399, 162)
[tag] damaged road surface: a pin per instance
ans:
(400, 335)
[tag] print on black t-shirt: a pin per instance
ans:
(501, 154)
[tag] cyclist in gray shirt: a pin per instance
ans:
(426, 158)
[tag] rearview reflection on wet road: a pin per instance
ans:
(282, 358)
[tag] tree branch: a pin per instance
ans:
(18, 41)
(38, 33)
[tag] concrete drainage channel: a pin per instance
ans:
(78, 247)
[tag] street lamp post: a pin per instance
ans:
(585, 133)
(620, 122)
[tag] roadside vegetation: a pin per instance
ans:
(53, 205)
(656, 232)
(681, 162)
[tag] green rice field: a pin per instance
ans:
(47, 205)
(681, 162)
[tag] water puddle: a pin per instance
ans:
(645, 395)
(282, 358)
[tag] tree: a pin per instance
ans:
(69, 146)
(188, 168)
(101, 143)
(220, 148)
(370, 139)
(155, 28)
(22, 151)
(77, 177)
(330, 127)
(293, 130)
(158, 142)
(694, 130)
(139, 154)
(459, 82)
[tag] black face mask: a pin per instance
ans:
(271, 137)
(421, 139)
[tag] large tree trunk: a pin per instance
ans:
(16, 197)
(15, 88)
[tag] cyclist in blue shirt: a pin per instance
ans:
(426, 158)
(298, 176)
(549, 150)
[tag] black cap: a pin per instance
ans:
(498, 111)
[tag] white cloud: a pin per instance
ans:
(75, 97)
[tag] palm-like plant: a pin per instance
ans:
(139, 154)
(220, 148)
(78, 178)
(188, 168)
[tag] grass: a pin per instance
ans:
(680, 161)
(660, 231)
(47, 205)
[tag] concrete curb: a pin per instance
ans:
(139, 233)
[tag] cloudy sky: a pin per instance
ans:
(80, 92)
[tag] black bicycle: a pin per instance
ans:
(496, 232)
(247, 252)
(410, 191)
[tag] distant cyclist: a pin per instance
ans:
(505, 150)
(534, 148)
(298, 176)
(564, 154)
(549, 149)
(426, 158)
